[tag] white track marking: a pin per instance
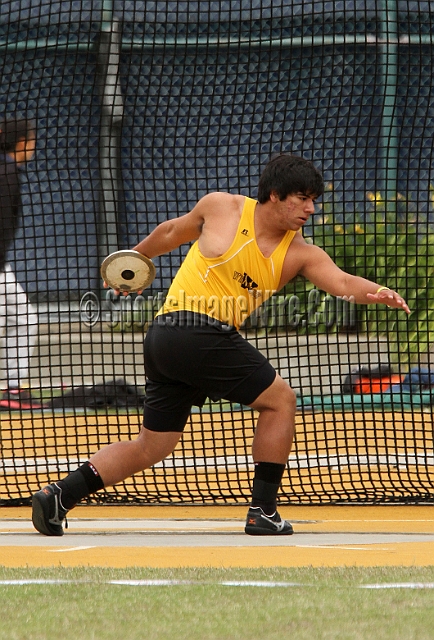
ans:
(241, 463)
(82, 548)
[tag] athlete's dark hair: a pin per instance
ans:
(288, 174)
(13, 130)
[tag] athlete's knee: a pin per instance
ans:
(287, 398)
(154, 446)
(278, 397)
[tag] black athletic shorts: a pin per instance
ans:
(189, 357)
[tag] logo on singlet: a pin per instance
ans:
(245, 232)
(247, 282)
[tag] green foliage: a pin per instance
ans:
(393, 245)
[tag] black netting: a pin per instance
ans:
(140, 109)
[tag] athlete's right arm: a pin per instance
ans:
(170, 234)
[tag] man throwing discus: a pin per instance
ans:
(243, 251)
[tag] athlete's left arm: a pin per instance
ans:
(317, 266)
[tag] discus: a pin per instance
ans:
(127, 271)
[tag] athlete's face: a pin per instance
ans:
(295, 210)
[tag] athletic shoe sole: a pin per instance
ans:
(269, 527)
(259, 531)
(41, 515)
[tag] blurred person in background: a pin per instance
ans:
(18, 320)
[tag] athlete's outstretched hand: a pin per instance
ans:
(390, 298)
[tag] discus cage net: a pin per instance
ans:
(140, 109)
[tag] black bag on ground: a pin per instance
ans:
(107, 395)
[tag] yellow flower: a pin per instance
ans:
(358, 229)
(374, 197)
(339, 229)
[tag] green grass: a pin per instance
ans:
(327, 604)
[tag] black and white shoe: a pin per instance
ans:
(259, 524)
(48, 513)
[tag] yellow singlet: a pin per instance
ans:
(229, 288)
